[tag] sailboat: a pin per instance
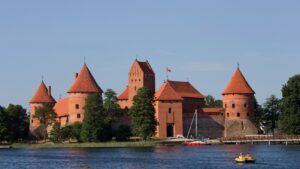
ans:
(198, 141)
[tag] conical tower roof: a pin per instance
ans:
(42, 95)
(85, 83)
(238, 84)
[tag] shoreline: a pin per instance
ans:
(127, 144)
(112, 144)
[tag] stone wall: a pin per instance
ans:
(209, 125)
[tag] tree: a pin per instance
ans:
(4, 121)
(123, 133)
(290, 117)
(18, 122)
(59, 134)
(46, 115)
(111, 106)
(75, 131)
(142, 114)
(272, 109)
(258, 113)
(95, 126)
(210, 101)
(55, 135)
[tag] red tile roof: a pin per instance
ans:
(185, 89)
(42, 95)
(212, 110)
(124, 95)
(62, 107)
(238, 85)
(166, 92)
(85, 83)
(146, 67)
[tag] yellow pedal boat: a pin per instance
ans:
(244, 160)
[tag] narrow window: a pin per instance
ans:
(233, 106)
(238, 114)
(77, 106)
(78, 116)
(135, 88)
(225, 105)
(222, 114)
(227, 114)
(245, 105)
(170, 110)
(31, 121)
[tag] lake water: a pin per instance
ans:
(209, 157)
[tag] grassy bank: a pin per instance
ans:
(88, 145)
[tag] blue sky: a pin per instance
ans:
(201, 41)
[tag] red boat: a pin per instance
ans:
(196, 143)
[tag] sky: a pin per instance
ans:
(200, 41)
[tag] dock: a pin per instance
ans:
(5, 146)
(262, 139)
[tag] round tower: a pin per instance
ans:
(84, 85)
(239, 105)
(41, 96)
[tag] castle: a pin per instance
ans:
(175, 104)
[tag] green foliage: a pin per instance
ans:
(66, 133)
(258, 111)
(96, 123)
(75, 131)
(271, 112)
(290, 117)
(123, 133)
(14, 123)
(142, 114)
(4, 121)
(210, 101)
(18, 122)
(111, 105)
(55, 135)
(45, 114)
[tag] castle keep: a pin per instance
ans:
(175, 104)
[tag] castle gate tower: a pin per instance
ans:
(140, 75)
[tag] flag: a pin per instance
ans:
(168, 70)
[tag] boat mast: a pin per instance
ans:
(196, 112)
(191, 125)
